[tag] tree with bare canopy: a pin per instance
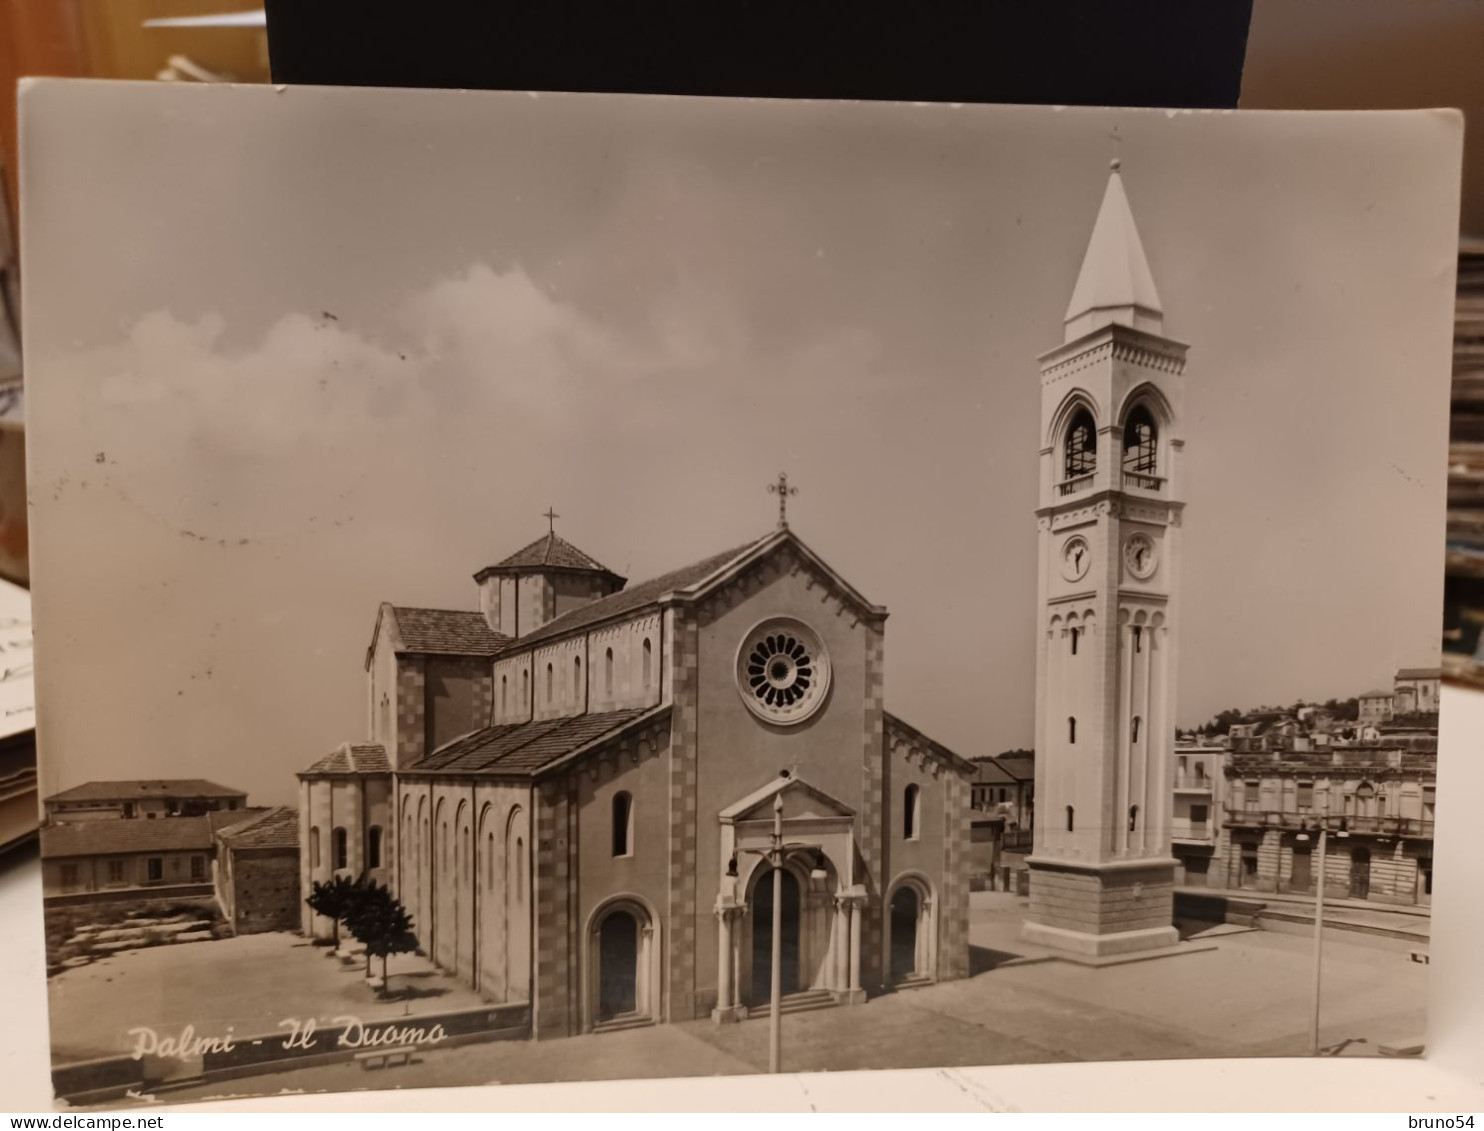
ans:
(379, 922)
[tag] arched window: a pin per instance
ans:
(1133, 818)
(909, 813)
(608, 672)
(339, 849)
(373, 847)
(443, 857)
(520, 869)
(1140, 442)
(1071, 822)
(1076, 632)
(648, 660)
(1072, 731)
(549, 678)
(1138, 638)
(577, 676)
(314, 848)
(1133, 730)
(463, 860)
(623, 824)
(504, 697)
(489, 862)
(1082, 445)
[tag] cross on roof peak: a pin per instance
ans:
(550, 516)
(783, 491)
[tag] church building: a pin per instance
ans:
(571, 787)
(1102, 871)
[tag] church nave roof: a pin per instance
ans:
(527, 748)
(637, 596)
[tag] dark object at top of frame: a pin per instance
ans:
(1065, 52)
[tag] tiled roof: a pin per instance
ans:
(1375, 695)
(636, 596)
(225, 818)
(446, 632)
(1420, 673)
(275, 828)
(353, 758)
(989, 772)
(1021, 767)
(525, 748)
(151, 788)
(551, 550)
(114, 838)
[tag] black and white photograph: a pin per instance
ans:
(552, 587)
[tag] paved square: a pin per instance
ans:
(1247, 996)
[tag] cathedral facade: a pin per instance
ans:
(570, 790)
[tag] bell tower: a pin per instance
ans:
(1101, 871)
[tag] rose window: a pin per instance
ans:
(782, 671)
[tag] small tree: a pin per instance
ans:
(380, 923)
(334, 899)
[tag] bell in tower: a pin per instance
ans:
(1101, 871)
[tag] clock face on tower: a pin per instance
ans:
(1076, 558)
(1139, 556)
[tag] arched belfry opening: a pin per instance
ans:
(1081, 446)
(1141, 442)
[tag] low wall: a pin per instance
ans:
(133, 897)
(97, 1081)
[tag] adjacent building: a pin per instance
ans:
(1376, 798)
(1199, 793)
(102, 860)
(141, 800)
(257, 872)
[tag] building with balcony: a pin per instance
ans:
(1377, 800)
(1196, 831)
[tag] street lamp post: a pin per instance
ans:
(774, 857)
(1318, 932)
(775, 997)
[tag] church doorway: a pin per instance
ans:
(904, 913)
(762, 937)
(618, 966)
(622, 963)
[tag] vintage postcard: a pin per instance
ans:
(552, 587)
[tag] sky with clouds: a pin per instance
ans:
(310, 350)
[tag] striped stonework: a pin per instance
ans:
(872, 832)
(681, 950)
(953, 913)
(554, 955)
(411, 734)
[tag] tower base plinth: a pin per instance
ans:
(1102, 909)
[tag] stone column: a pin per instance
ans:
(855, 950)
(723, 959)
(728, 919)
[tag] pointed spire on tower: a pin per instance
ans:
(1114, 285)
